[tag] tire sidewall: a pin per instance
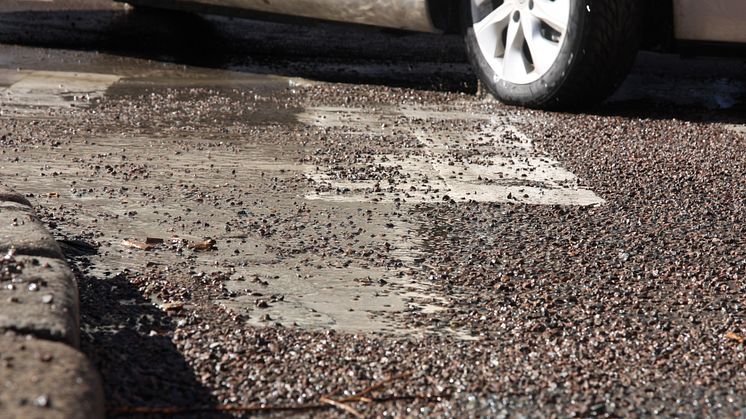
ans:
(544, 90)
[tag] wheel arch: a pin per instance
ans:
(657, 25)
(446, 15)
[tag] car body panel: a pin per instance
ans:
(400, 14)
(710, 20)
(694, 20)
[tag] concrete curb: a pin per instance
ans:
(42, 373)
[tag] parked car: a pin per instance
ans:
(548, 54)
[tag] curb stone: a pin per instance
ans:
(45, 379)
(39, 323)
(42, 300)
(22, 230)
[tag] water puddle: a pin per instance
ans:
(345, 293)
(321, 297)
(135, 188)
(31, 93)
(71, 79)
(485, 159)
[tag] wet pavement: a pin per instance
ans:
(257, 219)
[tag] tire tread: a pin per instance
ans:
(612, 40)
(606, 50)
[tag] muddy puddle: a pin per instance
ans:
(131, 189)
(38, 82)
(32, 93)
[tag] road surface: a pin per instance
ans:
(266, 213)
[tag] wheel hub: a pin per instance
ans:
(520, 39)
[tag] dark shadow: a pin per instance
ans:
(651, 109)
(325, 52)
(126, 338)
(75, 247)
(669, 86)
(661, 86)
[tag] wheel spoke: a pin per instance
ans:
(514, 63)
(520, 39)
(499, 15)
(553, 13)
(543, 51)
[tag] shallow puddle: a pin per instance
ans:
(139, 188)
(352, 299)
(31, 93)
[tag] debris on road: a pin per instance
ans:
(736, 337)
(202, 246)
(173, 306)
(136, 244)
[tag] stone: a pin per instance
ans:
(7, 194)
(22, 230)
(50, 380)
(45, 300)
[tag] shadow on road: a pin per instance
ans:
(661, 86)
(127, 339)
(325, 52)
(669, 86)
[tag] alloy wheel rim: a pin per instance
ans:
(520, 39)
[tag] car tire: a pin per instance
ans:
(577, 67)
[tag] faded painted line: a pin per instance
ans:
(489, 161)
(29, 93)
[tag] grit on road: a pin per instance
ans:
(265, 213)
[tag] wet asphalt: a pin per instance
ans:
(265, 216)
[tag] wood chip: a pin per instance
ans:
(341, 406)
(175, 306)
(136, 245)
(735, 336)
(208, 244)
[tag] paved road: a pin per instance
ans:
(269, 213)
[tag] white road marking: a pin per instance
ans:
(494, 162)
(26, 92)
